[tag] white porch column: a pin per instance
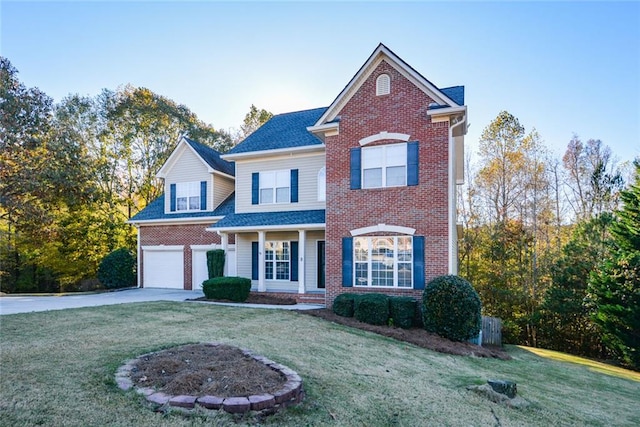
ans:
(262, 285)
(302, 237)
(224, 238)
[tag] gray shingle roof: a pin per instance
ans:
(212, 157)
(155, 211)
(456, 93)
(271, 218)
(282, 131)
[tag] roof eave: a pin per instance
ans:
(447, 111)
(168, 221)
(255, 228)
(262, 153)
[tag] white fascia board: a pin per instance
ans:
(162, 248)
(279, 151)
(324, 127)
(164, 170)
(256, 228)
(176, 221)
(217, 172)
(447, 111)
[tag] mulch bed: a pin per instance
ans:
(201, 370)
(416, 336)
(256, 298)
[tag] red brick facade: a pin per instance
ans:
(187, 235)
(423, 207)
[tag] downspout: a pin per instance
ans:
(452, 244)
(139, 255)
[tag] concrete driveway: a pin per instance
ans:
(28, 303)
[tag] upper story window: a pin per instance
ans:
(383, 85)
(384, 166)
(322, 184)
(188, 196)
(275, 187)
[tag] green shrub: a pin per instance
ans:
(343, 304)
(230, 288)
(372, 309)
(402, 310)
(451, 308)
(215, 263)
(118, 269)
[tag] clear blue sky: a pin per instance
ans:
(561, 67)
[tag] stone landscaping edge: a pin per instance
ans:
(290, 393)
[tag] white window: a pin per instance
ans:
(383, 85)
(275, 187)
(322, 184)
(383, 261)
(277, 258)
(188, 196)
(384, 166)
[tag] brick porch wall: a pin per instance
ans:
(423, 207)
(187, 235)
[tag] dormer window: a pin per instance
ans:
(383, 85)
(188, 196)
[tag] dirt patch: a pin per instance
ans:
(416, 336)
(204, 369)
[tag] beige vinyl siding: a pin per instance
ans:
(243, 255)
(311, 260)
(222, 187)
(187, 168)
(308, 166)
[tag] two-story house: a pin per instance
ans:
(359, 196)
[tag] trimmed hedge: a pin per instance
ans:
(451, 308)
(215, 263)
(372, 309)
(343, 304)
(401, 311)
(118, 269)
(230, 288)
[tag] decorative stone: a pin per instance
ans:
(261, 401)
(159, 398)
(289, 391)
(236, 405)
(210, 402)
(147, 391)
(293, 377)
(124, 383)
(508, 388)
(183, 401)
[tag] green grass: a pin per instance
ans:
(57, 368)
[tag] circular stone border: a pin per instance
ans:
(289, 394)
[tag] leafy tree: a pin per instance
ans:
(615, 285)
(252, 121)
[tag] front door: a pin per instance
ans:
(320, 258)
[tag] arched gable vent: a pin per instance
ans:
(383, 85)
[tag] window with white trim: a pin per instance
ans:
(383, 85)
(322, 184)
(383, 261)
(384, 166)
(277, 259)
(275, 187)
(188, 196)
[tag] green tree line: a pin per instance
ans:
(551, 244)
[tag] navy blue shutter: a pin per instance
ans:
(255, 188)
(203, 195)
(172, 196)
(347, 262)
(418, 262)
(294, 185)
(412, 163)
(294, 261)
(254, 260)
(355, 168)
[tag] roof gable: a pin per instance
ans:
(288, 130)
(210, 157)
(449, 97)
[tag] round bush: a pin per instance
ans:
(235, 289)
(343, 304)
(118, 269)
(372, 309)
(451, 308)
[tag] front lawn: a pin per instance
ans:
(57, 368)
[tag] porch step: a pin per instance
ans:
(311, 299)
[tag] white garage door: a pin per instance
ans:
(200, 273)
(163, 267)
